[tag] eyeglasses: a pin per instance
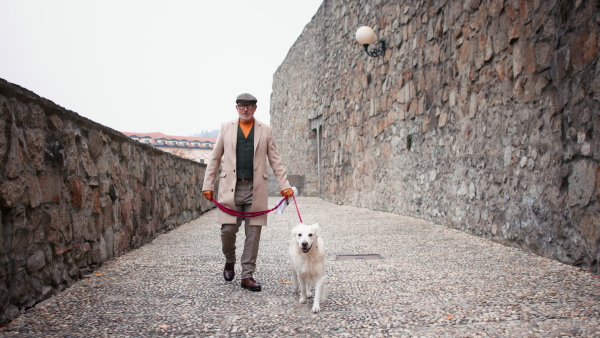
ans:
(244, 106)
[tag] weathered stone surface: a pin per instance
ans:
(36, 261)
(582, 183)
(498, 103)
(86, 160)
(76, 192)
(50, 186)
(36, 141)
(15, 162)
(34, 192)
(585, 46)
(96, 143)
(71, 193)
(20, 288)
(590, 227)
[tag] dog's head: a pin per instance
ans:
(305, 236)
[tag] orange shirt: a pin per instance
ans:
(246, 127)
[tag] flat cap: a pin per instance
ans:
(245, 97)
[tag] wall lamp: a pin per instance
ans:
(365, 36)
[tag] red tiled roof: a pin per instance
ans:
(159, 135)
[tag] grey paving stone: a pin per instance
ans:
(431, 282)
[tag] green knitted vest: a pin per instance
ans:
(245, 154)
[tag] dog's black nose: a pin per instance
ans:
(304, 244)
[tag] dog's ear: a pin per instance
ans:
(295, 229)
(316, 228)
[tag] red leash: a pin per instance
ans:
(253, 213)
(296, 204)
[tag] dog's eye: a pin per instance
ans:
(309, 235)
(299, 235)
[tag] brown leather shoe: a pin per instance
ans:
(229, 271)
(250, 284)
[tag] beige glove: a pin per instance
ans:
(208, 194)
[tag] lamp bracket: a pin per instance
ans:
(375, 52)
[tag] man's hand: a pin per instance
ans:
(287, 193)
(208, 194)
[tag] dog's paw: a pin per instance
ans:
(316, 308)
(302, 300)
(308, 294)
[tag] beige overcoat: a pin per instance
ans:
(264, 150)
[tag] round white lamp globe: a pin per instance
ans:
(365, 35)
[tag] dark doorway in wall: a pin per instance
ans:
(316, 127)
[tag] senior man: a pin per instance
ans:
(245, 144)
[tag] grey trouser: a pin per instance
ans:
(243, 202)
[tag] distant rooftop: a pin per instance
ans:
(159, 139)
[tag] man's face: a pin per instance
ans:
(246, 111)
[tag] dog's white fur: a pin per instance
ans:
(307, 254)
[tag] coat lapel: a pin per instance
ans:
(233, 133)
(257, 131)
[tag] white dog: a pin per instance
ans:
(307, 254)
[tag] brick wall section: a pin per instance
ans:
(482, 116)
(74, 194)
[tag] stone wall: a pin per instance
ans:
(74, 194)
(481, 116)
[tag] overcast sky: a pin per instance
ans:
(171, 66)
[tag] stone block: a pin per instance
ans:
(96, 204)
(55, 123)
(96, 140)
(12, 193)
(582, 182)
(95, 255)
(76, 192)
(530, 66)
(559, 65)
(499, 40)
(529, 89)
(36, 261)
(71, 154)
(584, 47)
(50, 185)
(34, 192)
(543, 55)
(495, 7)
(108, 242)
(15, 162)
(518, 55)
(20, 240)
(79, 221)
(36, 141)
(86, 160)
(19, 289)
